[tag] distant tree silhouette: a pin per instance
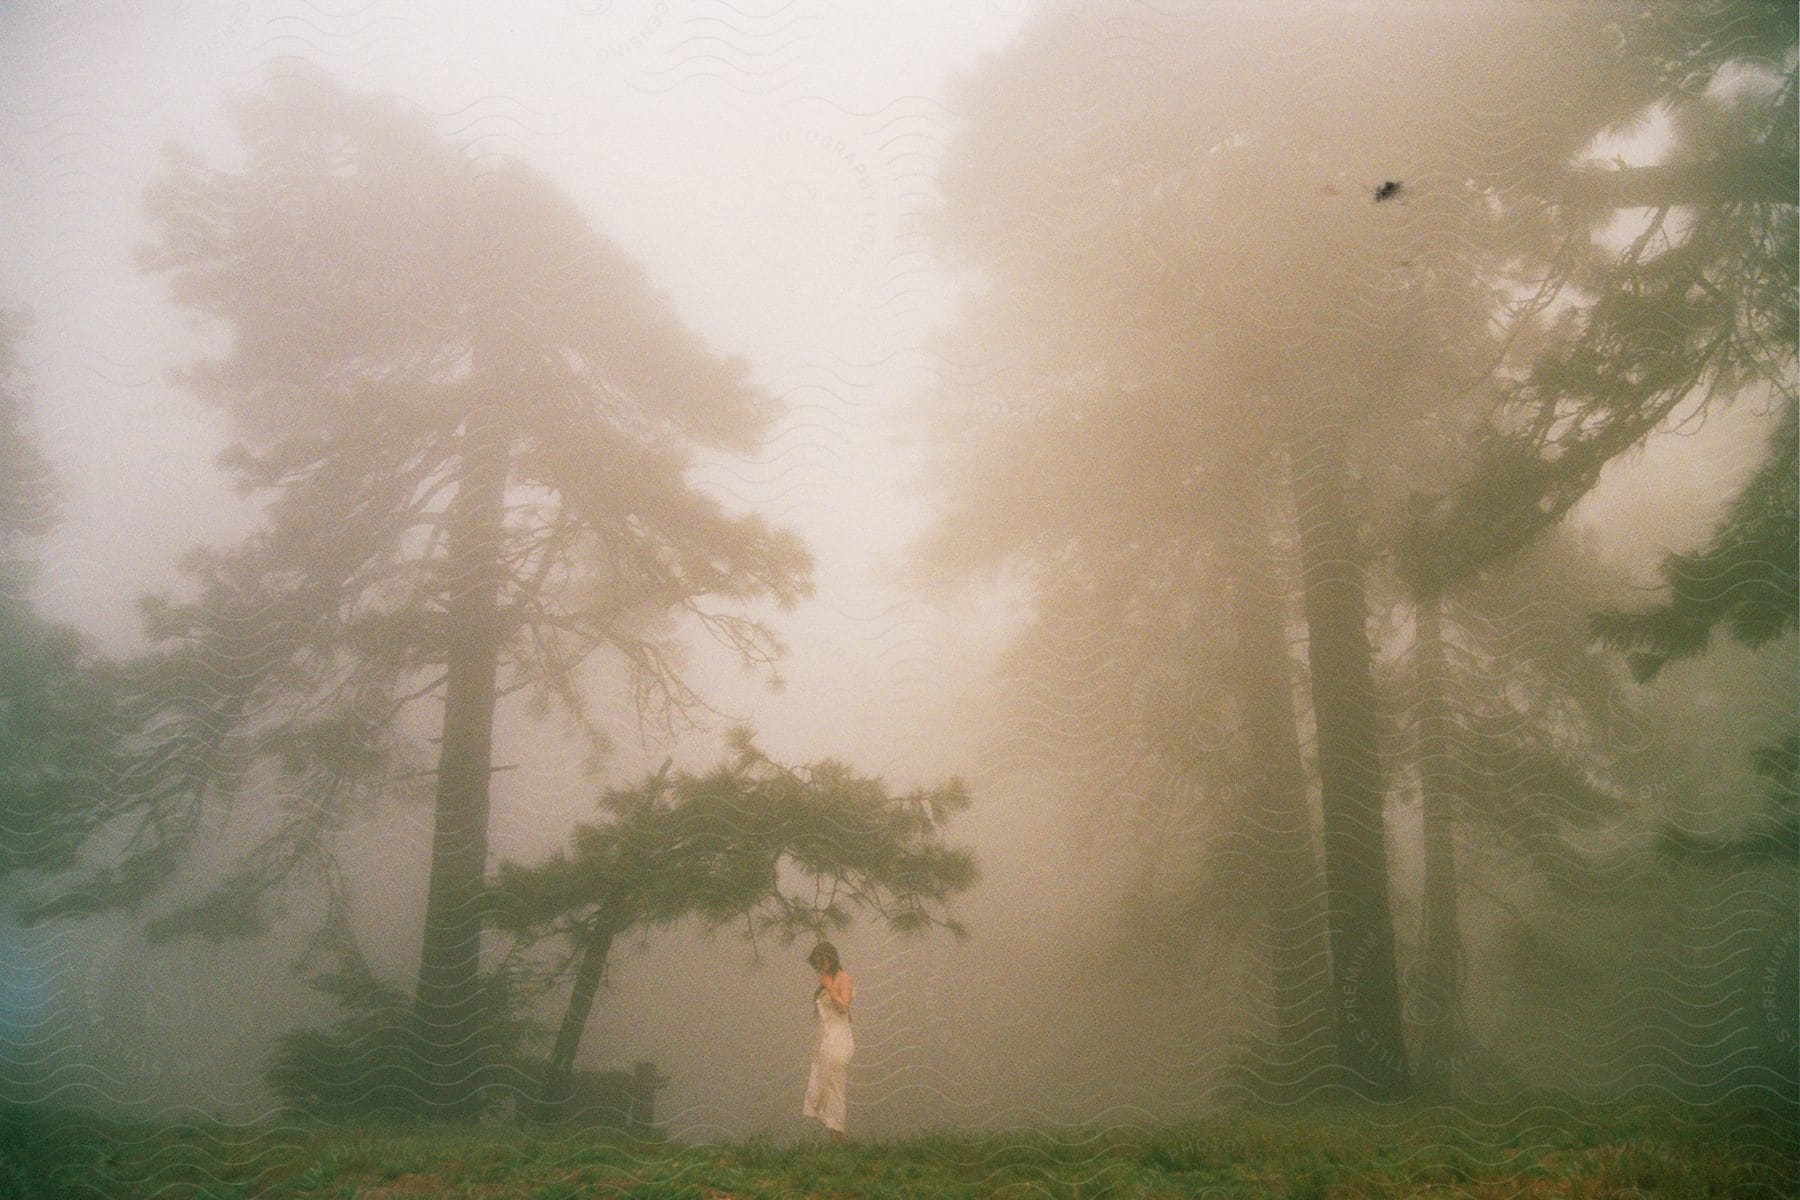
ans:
(1179, 283)
(57, 718)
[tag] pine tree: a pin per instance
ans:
(470, 416)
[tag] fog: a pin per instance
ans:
(1047, 307)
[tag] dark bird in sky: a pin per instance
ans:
(1387, 191)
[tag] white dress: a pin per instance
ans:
(830, 1066)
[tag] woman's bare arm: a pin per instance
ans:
(841, 990)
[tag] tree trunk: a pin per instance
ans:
(588, 974)
(448, 1004)
(1371, 1040)
(1291, 902)
(1440, 993)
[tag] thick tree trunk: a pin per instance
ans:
(448, 1004)
(1370, 1034)
(1299, 960)
(1440, 993)
(588, 974)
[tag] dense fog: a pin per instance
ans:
(1321, 476)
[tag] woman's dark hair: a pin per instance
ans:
(824, 955)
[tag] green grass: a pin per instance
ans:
(1526, 1152)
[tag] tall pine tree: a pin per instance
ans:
(470, 416)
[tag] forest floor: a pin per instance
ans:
(1526, 1152)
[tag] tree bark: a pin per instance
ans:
(588, 974)
(1370, 1034)
(1299, 964)
(448, 1003)
(1440, 994)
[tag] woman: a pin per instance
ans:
(832, 1050)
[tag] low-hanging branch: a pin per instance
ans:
(1760, 177)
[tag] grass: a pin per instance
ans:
(1526, 1152)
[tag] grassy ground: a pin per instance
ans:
(1525, 1153)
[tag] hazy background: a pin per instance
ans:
(773, 167)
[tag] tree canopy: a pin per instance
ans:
(785, 850)
(1745, 578)
(427, 347)
(1699, 307)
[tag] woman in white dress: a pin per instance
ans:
(835, 1045)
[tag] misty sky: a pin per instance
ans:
(772, 166)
